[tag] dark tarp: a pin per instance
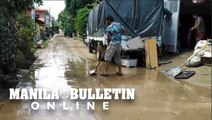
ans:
(95, 25)
(138, 17)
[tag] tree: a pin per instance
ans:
(68, 16)
(81, 20)
(9, 38)
(63, 18)
(24, 55)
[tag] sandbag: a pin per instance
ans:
(200, 44)
(194, 62)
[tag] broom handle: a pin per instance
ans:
(101, 59)
(98, 64)
(193, 55)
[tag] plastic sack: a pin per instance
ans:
(194, 62)
(200, 44)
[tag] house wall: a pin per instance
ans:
(170, 26)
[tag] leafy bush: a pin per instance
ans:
(25, 26)
(7, 40)
(82, 20)
(10, 36)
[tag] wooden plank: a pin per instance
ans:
(151, 54)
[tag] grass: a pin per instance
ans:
(46, 43)
(79, 37)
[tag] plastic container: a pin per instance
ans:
(129, 62)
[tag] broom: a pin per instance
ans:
(175, 71)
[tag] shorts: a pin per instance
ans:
(200, 36)
(113, 51)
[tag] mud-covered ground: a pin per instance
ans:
(66, 63)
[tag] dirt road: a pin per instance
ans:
(66, 62)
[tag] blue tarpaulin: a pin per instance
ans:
(139, 17)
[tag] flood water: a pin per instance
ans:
(66, 63)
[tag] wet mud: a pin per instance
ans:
(66, 64)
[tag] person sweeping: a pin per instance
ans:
(113, 32)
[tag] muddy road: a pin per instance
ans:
(66, 62)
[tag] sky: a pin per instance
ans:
(55, 6)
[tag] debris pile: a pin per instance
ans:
(203, 54)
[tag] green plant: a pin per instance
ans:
(69, 15)
(10, 37)
(82, 20)
(25, 26)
